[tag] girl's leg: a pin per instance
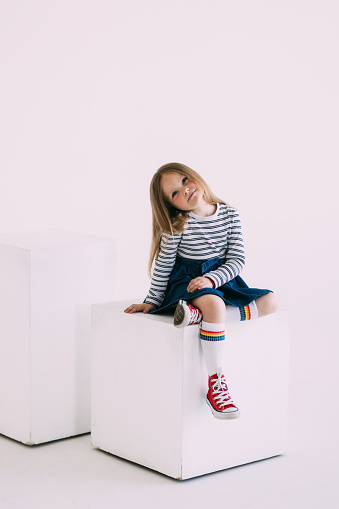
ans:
(212, 307)
(266, 304)
(188, 313)
(212, 332)
(212, 335)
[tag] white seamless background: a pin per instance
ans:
(96, 95)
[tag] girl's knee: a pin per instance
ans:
(267, 304)
(212, 307)
(207, 301)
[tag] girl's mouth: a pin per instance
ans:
(190, 196)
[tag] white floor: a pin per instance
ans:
(71, 474)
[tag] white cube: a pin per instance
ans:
(149, 386)
(48, 282)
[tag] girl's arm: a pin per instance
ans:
(235, 254)
(162, 268)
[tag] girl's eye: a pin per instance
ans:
(184, 180)
(174, 194)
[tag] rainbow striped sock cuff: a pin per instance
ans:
(208, 335)
(245, 313)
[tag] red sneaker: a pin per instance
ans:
(186, 314)
(219, 399)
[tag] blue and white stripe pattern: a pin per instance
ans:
(218, 235)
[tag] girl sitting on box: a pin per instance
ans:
(198, 252)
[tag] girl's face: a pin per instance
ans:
(180, 192)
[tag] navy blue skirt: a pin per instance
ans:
(235, 292)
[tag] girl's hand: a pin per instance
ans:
(137, 308)
(198, 283)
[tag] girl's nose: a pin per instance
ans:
(186, 190)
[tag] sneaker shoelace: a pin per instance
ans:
(195, 313)
(220, 392)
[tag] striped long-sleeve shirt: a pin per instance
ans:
(218, 235)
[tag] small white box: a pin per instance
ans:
(48, 282)
(149, 385)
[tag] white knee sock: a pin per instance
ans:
(235, 314)
(212, 337)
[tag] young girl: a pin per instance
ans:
(198, 251)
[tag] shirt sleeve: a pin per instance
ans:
(163, 268)
(235, 254)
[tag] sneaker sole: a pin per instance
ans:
(181, 316)
(223, 415)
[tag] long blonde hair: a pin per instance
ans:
(165, 217)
